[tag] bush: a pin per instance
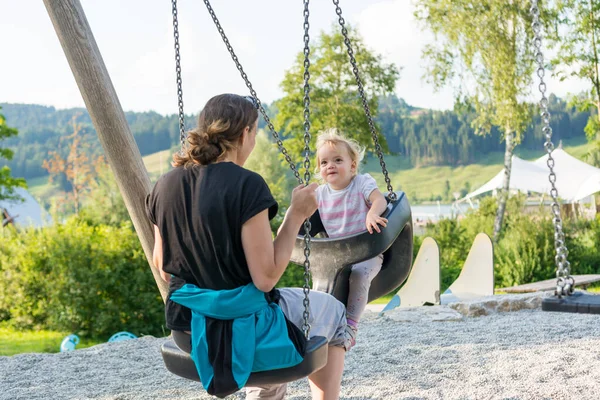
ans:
(292, 277)
(454, 246)
(525, 251)
(583, 242)
(94, 280)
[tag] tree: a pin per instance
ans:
(106, 206)
(447, 190)
(76, 168)
(264, 160)
(334, 98)
(7, 182)
(483, 49)
(577, 41)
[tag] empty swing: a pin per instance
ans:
(565, 298)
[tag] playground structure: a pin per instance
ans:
(125, 160)
(422, 287)
(124, 157)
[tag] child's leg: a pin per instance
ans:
(360, 281)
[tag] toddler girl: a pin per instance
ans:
(348, 203)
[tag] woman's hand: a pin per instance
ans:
(304, 201)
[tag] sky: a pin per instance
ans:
(135, 38)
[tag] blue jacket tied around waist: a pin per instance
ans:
(235, 332)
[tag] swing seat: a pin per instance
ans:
(578, 302)
(180, 363)
(331, 259)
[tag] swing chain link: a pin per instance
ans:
(282, 149)
(565, 283)
(391, 194)
(307, 137)
(259, 105)
(178, 71)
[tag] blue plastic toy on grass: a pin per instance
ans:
(69, 343)
(120, 336)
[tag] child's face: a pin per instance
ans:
(336, 166)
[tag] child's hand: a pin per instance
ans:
(373, 222)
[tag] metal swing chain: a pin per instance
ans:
(178, 71)
(307, 225)
(565, 283)
(259, 105)
(391, 194)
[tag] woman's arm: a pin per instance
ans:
(157, 255)
(267, 258)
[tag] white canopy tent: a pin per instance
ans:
(526, 177)
(575, 180)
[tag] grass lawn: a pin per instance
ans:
(158, 163)
(40, 341)
(594, 288)
(382, 299)
(40, 188)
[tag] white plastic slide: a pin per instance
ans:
(423, 284)
(477, 276)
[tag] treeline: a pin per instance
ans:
(41, 129)
(429, 137)
(425, 137)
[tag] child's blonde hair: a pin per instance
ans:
(334, 137)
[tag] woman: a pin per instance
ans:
(211, 223)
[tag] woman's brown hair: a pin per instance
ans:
(220, 126)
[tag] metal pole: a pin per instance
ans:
(102, 103)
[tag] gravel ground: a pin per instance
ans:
(526, 354)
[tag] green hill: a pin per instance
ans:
(421, 184)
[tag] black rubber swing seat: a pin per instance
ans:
(578, 302)
(330, 265)
(331, 259)
(180, 363)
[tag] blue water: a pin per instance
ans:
(435, 212)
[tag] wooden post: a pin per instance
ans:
(101, 100)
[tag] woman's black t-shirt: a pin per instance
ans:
(200, 211)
